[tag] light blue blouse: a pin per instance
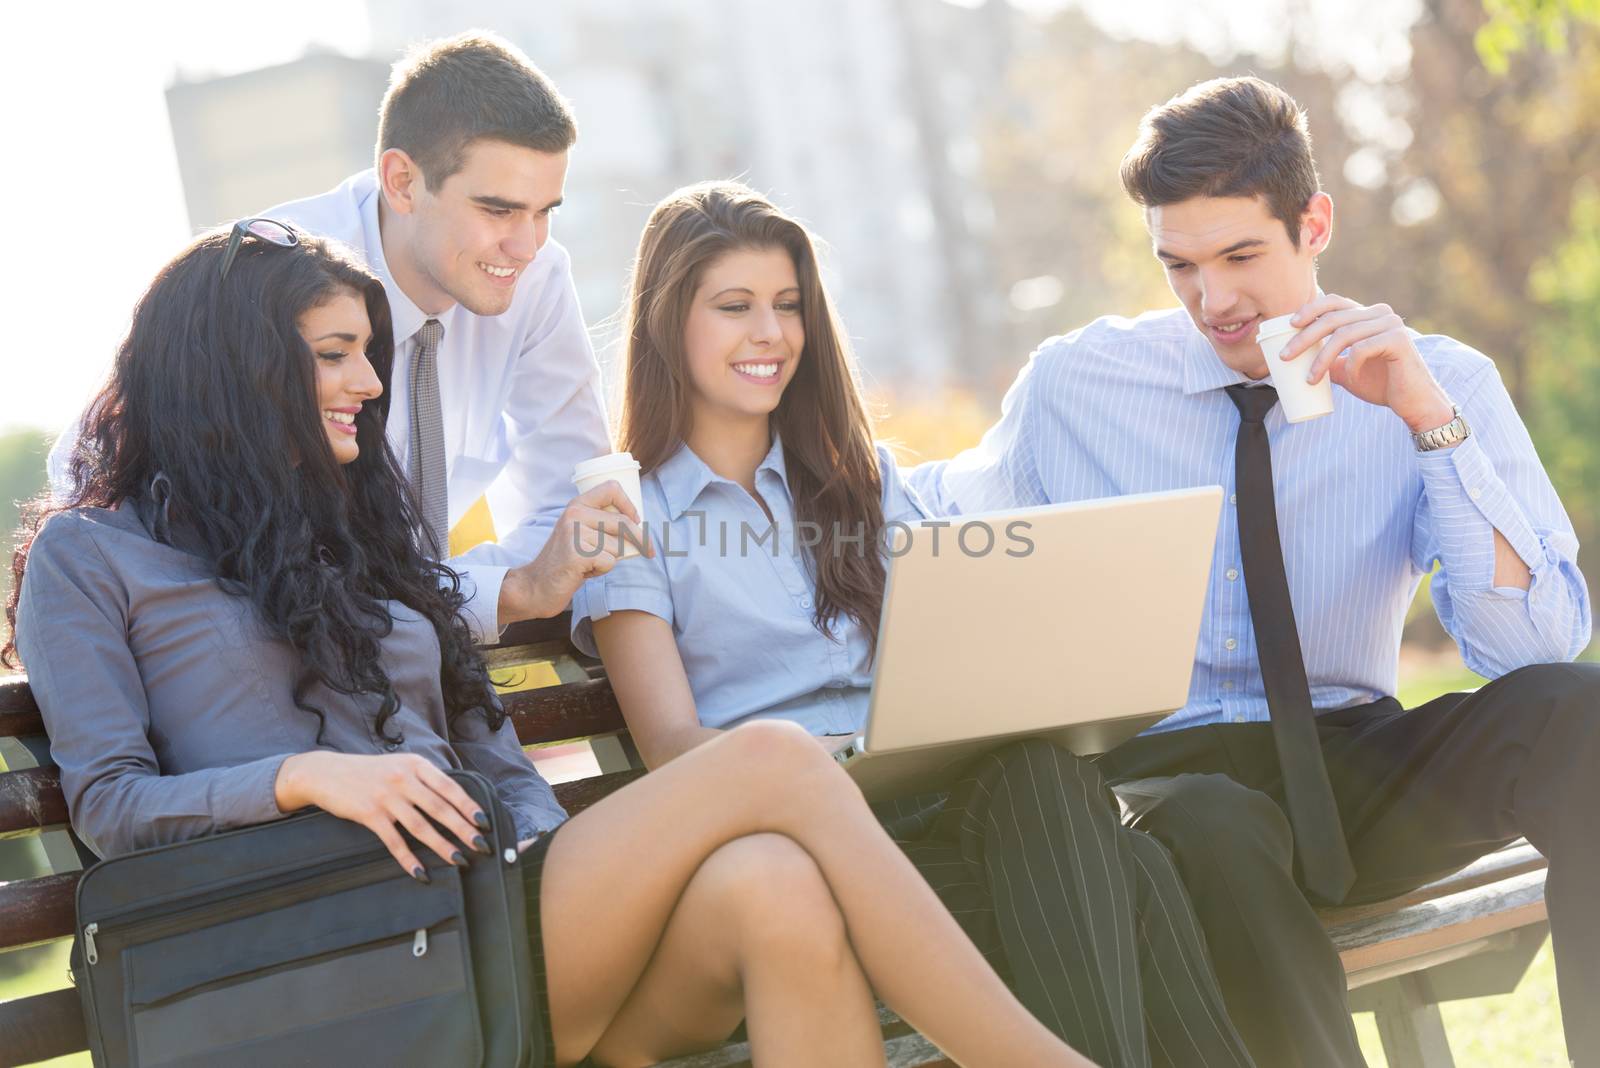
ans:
(739, 593)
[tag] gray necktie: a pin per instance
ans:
(427, 438)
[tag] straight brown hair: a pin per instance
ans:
(445, 94)
(1228, 137)
(822, 419)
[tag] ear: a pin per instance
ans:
(400, 180)
(1316, 224)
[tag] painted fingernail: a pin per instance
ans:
(480, 844)
(459, 859)
(420, 875)
(481, 820)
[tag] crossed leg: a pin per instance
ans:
(617, 874)
(756, 933)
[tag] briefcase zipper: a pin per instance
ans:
(159, 924)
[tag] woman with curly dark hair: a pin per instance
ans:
(234, 618)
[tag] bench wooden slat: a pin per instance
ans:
(579, 794)
(536, 632)
(40, 1027)
(31, 801)
(561, 713)
(15, 695)
(19, 714)
(1515, 859)
(903, 1048)
(905, 1051)
(1434, 925)
(37, 910)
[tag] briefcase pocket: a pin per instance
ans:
(307, 977)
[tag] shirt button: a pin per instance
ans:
(1232, 573)
(1238, 717)
(1231, 644)
(1233, 498)
(1227, 685)
(805, 602)
(1474, 493)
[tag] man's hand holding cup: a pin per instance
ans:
(600, 526)
(1366, 350)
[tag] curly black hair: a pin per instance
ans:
(210, 421)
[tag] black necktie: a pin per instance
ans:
(1323, 857)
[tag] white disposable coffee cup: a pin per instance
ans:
(1299, 399)
(619, 467)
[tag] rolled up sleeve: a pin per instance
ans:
(1492, 482)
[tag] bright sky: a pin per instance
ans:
(90, 183)
(91, 187)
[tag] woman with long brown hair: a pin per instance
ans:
(234, 618)
(766, 502)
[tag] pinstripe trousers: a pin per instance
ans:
(1086, 919)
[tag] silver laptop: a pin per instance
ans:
(1076, 621)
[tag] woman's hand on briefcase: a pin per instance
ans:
(384, 793)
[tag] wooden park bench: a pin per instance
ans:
(1470, 935)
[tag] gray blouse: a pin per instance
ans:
(170, 709)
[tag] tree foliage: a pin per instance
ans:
(22, 477)
(1513, 24)
(1566, 378)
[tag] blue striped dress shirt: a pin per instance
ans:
(1137, 405)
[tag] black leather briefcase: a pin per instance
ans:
(301, 942)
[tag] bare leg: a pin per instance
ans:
(616, 872)
(756, 933)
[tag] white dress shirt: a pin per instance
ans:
(520, 391)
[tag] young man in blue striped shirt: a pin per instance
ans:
(1292, 774)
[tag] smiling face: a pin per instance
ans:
(338, 331)
(743, 336)
(469, 240)
(1232, 265)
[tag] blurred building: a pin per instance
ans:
(248, 141)
(859, 116)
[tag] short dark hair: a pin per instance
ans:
(445, 94)
(1228, 137)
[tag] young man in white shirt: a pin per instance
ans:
(455, 219)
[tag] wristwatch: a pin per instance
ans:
(1442, 437)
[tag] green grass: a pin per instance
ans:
(1517, 1030)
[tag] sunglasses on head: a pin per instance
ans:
(271, 231)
